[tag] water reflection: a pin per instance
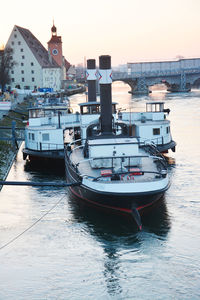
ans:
(112, 271)
(117, 234)
(44, 168)
(110, 226)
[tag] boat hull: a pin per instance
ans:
(43, 155)
(117, 202)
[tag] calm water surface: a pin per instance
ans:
(76, 253)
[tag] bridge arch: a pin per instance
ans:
(178, 75)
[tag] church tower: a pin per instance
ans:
(55, 46)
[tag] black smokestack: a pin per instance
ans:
(91, 79)
(105, 82)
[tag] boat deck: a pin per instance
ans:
(138, 173)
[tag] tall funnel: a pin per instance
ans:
(91, 79)
(105, 82)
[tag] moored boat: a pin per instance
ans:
(117, 171)
(44, 130)
(5, 102)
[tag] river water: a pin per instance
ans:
(77, 253)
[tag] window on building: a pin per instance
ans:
(12, 72)
(32, 64)
(156, 131)
(22, 79)
(19, 43)
(22, 64)
(23, 56)
(13, 79)
(45, 137)
(22, 50)
(32, 71)
(15, 36)
(12, 43)
(22, 71)
(33, 79)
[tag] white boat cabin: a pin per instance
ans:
(90, 112)
(151, 125)
(44, 130)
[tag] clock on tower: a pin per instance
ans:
(55, 51)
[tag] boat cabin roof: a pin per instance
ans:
(113, 141)
(93, 103)
(51, 107)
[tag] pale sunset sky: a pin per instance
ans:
(128, 30)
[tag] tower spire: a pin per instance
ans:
(54, 29)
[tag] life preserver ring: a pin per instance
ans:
(122, 177)
(130, 177)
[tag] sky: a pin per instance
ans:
(128, 30)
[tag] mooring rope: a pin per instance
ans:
(32, 225)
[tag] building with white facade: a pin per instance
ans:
(35, 65)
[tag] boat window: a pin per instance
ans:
(113, 109)
(33, 113)
(48, 113)
(85, 110)
(45, 136)
(148, 107)
(156, 131)
(167, 129)
(29, 136)
(154, 107)
(33, 136)
(95, 109)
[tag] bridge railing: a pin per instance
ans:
(154, 73)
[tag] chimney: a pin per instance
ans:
(105, 82)
(91, 79)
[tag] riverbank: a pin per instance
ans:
(8, 151)
(78, 89)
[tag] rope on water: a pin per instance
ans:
(32, 225)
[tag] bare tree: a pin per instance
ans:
(6, 65)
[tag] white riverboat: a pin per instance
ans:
(5, 105)
(150, 125)
(116, 171)
(5, 102)
(44, 130)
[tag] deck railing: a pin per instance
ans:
(45, 146)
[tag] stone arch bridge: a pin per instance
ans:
(178, 75)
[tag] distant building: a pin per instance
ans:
(37, 67)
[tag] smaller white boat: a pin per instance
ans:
(5, 105)
(44, 130)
